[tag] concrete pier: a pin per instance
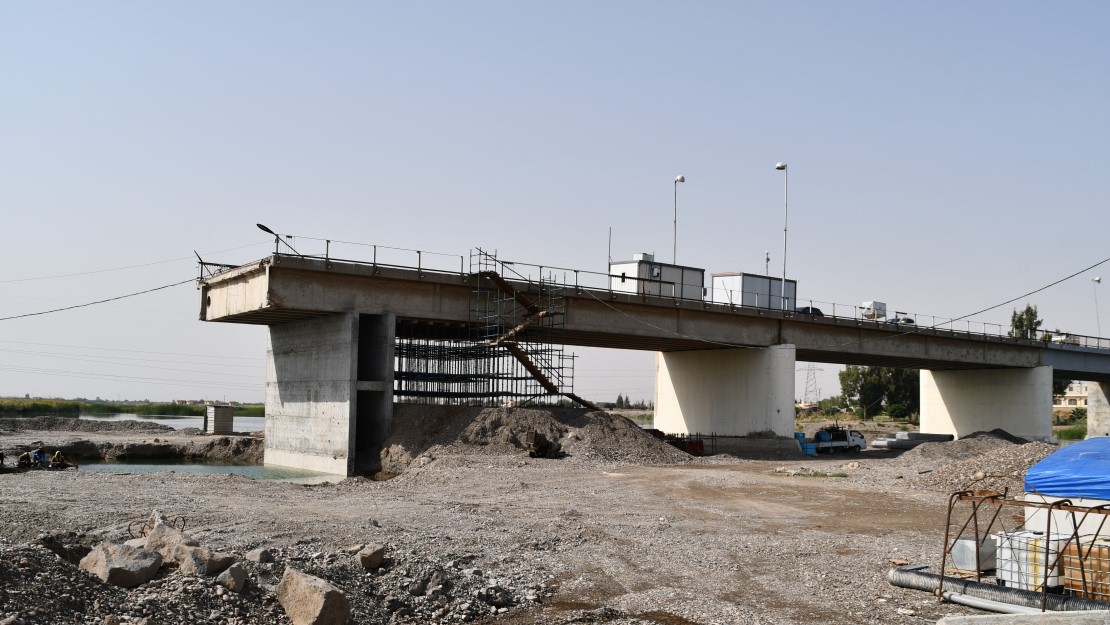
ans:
(329, 392)
(1098, 409)
(729, 392)
(962, 402)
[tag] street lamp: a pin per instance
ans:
(786, 216)
(277, 239)
(1094, 285)
(674, 238)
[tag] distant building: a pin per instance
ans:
(1074, 397)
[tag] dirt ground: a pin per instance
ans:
(623, 529)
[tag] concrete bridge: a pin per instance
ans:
(721, 368)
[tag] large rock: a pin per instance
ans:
(309, 600)
(234, 578)
(195, 560)
(261, 555)
(371, 557)
(122, 565)
(165, 538)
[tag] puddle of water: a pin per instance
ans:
(240, 424)
(257, 472)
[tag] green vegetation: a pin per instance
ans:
(873, 388)
(1072, 433)
(67, 408)
(823, 474)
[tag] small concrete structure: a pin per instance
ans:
(962, 402)
(729, 392)
(219, 419)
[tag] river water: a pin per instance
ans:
(240, 424)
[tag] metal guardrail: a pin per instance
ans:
(632, 289)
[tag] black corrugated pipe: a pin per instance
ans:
(929, 582)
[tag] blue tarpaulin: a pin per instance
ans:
(1079, 470)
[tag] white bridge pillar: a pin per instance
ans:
(1098, 409)
(729, 392)
(329, 392)
(961, 402)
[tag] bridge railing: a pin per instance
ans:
(634, 289)
(334, 250)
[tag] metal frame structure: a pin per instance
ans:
(1089, 570)
(512, 351)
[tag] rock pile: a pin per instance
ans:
(118, 583)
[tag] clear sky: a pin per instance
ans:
(944, 157)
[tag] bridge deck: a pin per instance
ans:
(283, 288)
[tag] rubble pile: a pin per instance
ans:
(196, 584)
(989, 461)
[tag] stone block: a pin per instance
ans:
(121, 565)
(200, 560)
(309, 600)
(371, 556)
(234, 578)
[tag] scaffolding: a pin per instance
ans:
(511, 352)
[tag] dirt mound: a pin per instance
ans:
(500, 431)
(73, 424)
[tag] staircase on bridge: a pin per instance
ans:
(505, 317)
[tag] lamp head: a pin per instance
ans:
(265, 229)
(680, 178)
(1097, 280)
(780, 166)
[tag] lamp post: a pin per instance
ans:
(785, 219)
(277, 239)
(674, 238)
(1098, 322)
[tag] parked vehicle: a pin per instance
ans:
(830, 439)
(810, 310)
(1065, 339)
(902, 320)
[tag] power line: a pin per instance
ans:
(130, 351)
(110, 299)
(150, 264)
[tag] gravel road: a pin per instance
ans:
(623, 529)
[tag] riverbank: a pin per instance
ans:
(623, 530)
(83, 440)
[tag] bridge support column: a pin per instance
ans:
(961, 402)
(1098, 409)
(730, 392)
(329, 392)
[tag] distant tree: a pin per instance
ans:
(1024, 324)
(832, 405)
(872, 388)
(865, 385)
